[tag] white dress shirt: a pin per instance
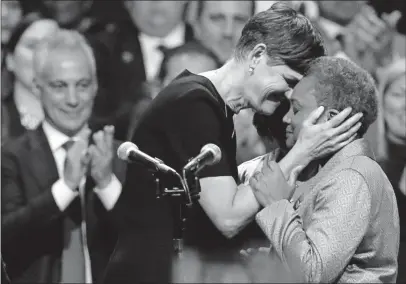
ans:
(152, 55)
(63, 195)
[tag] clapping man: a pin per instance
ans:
(57, 190)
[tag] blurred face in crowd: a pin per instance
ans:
(68, 12)
(11, 14)
(156, 18)
(394, 109)
(341, 12)
(21, 61)
(303, 102)
(194, 62)
(67, 88)
(220, 24)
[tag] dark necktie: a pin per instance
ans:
(73, 260)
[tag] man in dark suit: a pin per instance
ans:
(58, 185)
(135, 54)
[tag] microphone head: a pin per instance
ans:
(123, 150)
(215, 150)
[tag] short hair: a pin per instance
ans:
(340, 83)
(190, 48)
(289, 36)
(63, 40)
(200, 8)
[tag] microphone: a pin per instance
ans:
(209, 155)
(130, 153)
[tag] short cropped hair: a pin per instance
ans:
(200, 8)
(189, 48)
(340, 83)
(63, 40)
(289, 36)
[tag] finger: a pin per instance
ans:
(392, 19)
(348, 124)
(369, 25)
(274, 166)
(253, 181)
(294, 174)
(346, 135)
(372, 19)
(314, 116)
(85, 158)
(109, 136)
(265, 250)
(338, 119)
(98, 139)
(365, 36)
(339, 146)
(244, 253)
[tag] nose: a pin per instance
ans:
(228, 30)
(72, 98)
(288, 117)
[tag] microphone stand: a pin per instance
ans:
(186, 197)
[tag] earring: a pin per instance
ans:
(251, 70)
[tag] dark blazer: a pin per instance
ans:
(32, 224)
(10, 120)
(122, 72)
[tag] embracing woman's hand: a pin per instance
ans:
(319, 140)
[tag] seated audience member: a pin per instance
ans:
(391, 142)
(135, 53)
(57, 190)
(219, 24)
(191, 56)
(341, 225)
(22, 108)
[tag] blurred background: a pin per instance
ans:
(140, 46)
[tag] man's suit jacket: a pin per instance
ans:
(345, 229)
(32, 224)
(122, 72)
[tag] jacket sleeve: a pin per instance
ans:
(339, 222)
(20, 215)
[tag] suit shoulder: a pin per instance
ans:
(16, 144)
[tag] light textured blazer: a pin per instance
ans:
(343, 227)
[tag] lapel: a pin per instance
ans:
(44, 167)
(358, 147)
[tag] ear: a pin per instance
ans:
(36, 88)
(10, 64)
(257, 54)
(329, 114)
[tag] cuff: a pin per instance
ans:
(62, 194)
(247, 169)
(273, 219)
(110, 194)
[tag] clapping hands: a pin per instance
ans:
(101, 156)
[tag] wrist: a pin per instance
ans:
(293, 159)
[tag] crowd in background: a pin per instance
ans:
(140, 46)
